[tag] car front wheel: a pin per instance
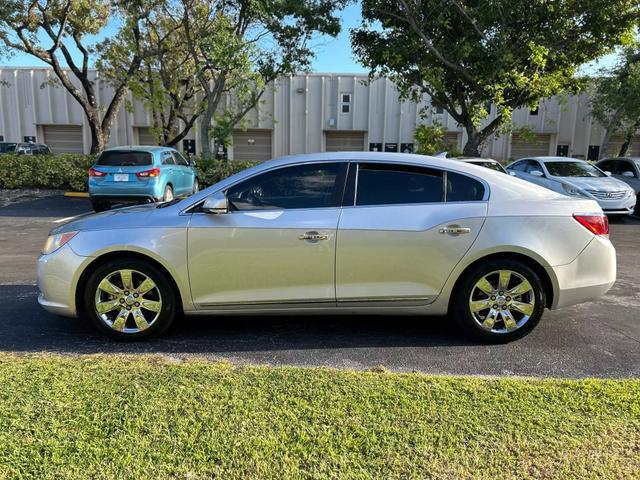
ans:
(129, 300)
(499, 301)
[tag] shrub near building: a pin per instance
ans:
(69, 171)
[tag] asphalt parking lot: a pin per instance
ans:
(600, 339)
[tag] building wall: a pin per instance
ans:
(298, 111)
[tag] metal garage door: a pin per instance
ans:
(253, 145)
(63, 138)
(145, 137)
(529, 146)
(345, 141)
(616, 141)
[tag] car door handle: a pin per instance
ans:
(313, 236)
(454, 230)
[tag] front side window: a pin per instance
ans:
(573, 169)
(519, 166)
(167, 159)
(180, 160)
(299, 186)
(115, 158)
(381, 184)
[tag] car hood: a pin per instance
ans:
(600, 184)
(127, 217)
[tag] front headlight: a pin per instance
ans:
(54, 242)
(573, 191)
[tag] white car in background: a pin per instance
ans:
(577, 178)
(483, 162)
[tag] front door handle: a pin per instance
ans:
(313, 236)
(454, 230)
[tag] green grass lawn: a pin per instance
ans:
(147, 417)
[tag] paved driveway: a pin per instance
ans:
(599, 339)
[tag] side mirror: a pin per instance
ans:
(537, 173)
(626, 174)
(512, 173)
(608, 174)
(216, 203)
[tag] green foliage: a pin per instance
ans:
(430, 139)
(511, 53)
(112, 417)
(67, 171)
(64, 171)
(615, 97)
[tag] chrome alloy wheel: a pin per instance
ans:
(502, 301)
(128, 301)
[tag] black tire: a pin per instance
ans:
(100, 205)
(461, 297)
(196, 185)
(165, 317)
(168, 194)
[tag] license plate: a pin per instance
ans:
(121, 177)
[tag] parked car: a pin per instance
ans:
(24, 148)
(140, 174)
(350, 232)
(577, 178)
(626, 169)
(484, 162)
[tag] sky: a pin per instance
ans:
(333, 55)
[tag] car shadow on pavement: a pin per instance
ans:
(25, 327)
(49, 206)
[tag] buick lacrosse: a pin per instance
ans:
(365, 233)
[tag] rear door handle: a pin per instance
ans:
(454, 230)
(314, 236)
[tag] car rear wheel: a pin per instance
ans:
(168, 194)
(499, 301)
(100, 205)
(129, 300)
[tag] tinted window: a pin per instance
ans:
(532, 166)
(180, 160)
(123, 159)
(167, 158)
(519, 166)
(573, 169)
(461, 188)
(301, 186)
(380, 184)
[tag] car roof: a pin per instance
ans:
(553, 159)
(139, 148)
(475, 159)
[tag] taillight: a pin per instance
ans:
(596, 224)
(154, 172)
(96, 173)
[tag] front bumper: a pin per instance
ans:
(58, 275)
(588, 277)
(624, 206)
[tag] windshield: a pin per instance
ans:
(573, 169)
(492, 165)
(7, 147)
(124, 159)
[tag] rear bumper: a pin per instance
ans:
(588, 277)
(134, 191)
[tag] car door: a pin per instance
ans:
(187, 173)
(625, 170)
(170, 172)
(277, 243)
(398, 239)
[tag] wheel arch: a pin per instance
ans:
(120, 255)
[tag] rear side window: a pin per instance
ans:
(300, 186)
(124, 159)
(461, 188)
(380, 184)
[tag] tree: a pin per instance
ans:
(240, 46)
(54, 30)
(615, 99)
(468, 54)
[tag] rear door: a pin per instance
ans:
(171, 172)
(187, 173)
(277, 243)
(398, 239)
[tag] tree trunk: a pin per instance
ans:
(98, 142)
(205, 128)
(474, 142)
(604, 148)
(625, 146)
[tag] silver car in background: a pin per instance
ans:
(577, 178)
(372, 233)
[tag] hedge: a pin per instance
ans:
(69, 171)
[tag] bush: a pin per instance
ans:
(69, 171)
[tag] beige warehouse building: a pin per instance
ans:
(300, 114)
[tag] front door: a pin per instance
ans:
(276, 245)
(401, 239)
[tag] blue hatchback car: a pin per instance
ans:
(140, 174)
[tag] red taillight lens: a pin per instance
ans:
(96, 173)
(154, 172)
(596, 224)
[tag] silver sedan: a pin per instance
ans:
(369, 233)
